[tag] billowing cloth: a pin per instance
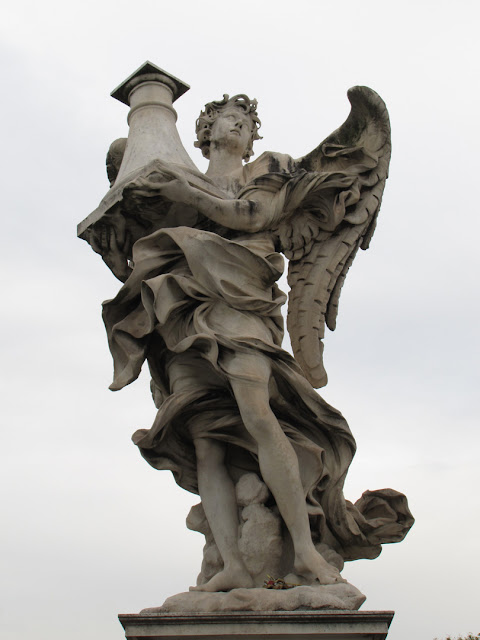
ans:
(193, 302)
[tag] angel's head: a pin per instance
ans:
(231, 121)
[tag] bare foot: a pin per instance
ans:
(313, 565)
(227, 579)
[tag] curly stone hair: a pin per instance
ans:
(203, 126)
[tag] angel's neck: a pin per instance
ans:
(223, 164)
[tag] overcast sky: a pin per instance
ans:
(89, 529)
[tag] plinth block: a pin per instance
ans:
(248, 625)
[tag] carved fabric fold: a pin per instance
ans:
(198, 297)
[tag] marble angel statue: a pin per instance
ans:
(200, 303)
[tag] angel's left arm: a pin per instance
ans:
(250, 215)
(326, 196)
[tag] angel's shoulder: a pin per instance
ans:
(270, 162)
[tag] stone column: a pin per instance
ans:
(150, 93)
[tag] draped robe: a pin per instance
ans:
(197, 299)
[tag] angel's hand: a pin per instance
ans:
(162, 180)
(113, 250)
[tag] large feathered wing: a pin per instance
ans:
(346, 176)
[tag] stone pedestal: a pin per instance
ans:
(248, 625)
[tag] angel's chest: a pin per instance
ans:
(229, 185)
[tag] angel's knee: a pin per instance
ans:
(210, 453)
(256, 414)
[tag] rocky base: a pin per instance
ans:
(342, 596)
(264, 542)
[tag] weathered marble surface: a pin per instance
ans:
(342, 596)
(238, 420)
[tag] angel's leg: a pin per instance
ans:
(279, 466)
(188, 371)
(220, 505)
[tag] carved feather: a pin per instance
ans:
(319, 259)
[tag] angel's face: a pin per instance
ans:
(232, 130)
